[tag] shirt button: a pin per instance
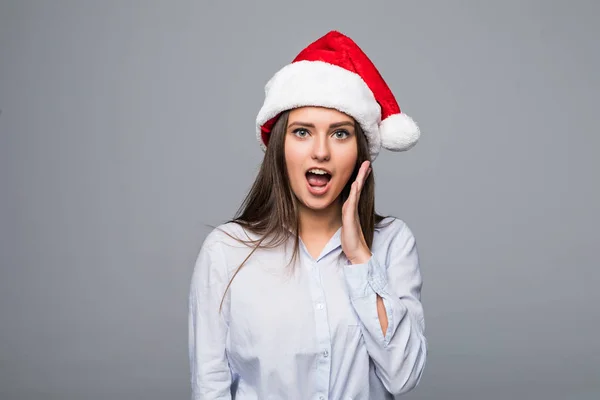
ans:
(321, 397)
(320, 306)
(325, 353)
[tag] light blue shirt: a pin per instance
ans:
(307, 331)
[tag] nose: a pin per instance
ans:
(320, 150)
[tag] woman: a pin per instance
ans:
(308, 293)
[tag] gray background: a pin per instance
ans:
(127, 127)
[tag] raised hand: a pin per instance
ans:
(353, 241)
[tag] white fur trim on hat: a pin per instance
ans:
(399, 132)
(317, 83)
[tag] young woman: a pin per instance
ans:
(308, 293)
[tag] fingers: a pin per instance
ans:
(353, 198)
(362, 175)
(356, 188)
(358, 184)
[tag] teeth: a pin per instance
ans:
(317, 171)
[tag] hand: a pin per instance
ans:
(353, 241)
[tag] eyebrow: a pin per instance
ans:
(309, 125)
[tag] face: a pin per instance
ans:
(320, 154)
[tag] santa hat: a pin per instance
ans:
(334, 72)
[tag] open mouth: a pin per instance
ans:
(318, 180)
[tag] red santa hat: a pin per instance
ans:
(334, 72)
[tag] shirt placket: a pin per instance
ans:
(322, 331)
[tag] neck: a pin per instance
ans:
(320, 222)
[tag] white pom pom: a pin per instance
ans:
(399, 132)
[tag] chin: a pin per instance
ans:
(317, 204)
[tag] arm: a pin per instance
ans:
(209, 369)
(400, 351)
(382, 314)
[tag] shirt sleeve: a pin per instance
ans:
(399, 355)
(210, 372)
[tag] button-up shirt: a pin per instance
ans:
(310, 329)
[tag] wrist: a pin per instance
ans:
(362, 257)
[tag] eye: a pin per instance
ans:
(300, 132)
(341, 134)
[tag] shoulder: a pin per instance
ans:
(393, 234)
(392, 227)
(228, 244)
(227, 234)
(218, 253)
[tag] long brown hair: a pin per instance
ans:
(270, 209)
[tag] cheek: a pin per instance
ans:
(293, 162)
(347, 163)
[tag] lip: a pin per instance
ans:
(318, 191)
(321, 168)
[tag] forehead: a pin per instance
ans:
(318, 115)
